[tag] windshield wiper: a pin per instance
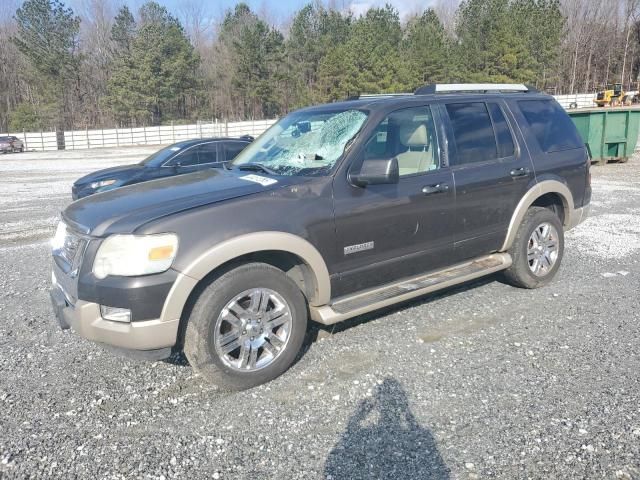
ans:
(256, 167)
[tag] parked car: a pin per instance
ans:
(183, 157)
(335, 211)
(9, 143)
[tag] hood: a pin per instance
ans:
(116, 173)
(125, 209)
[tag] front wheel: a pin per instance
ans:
(537, 249)
(247, 327)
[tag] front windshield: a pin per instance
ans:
(161, 156)
(303, 143)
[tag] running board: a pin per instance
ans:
(367, 301)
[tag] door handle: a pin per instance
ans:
(519, 172)
(439, 188)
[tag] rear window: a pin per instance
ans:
(551, 125)
(473, 132)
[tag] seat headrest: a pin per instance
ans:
(413, 136)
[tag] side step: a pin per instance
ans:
(369, 300)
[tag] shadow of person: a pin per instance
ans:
(383, 440)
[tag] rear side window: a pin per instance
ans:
(232, 149)
(208, 153)
(503, 134)
(551, 125)
(473, 132)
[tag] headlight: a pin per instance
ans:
(102, 183)
(132, 255)
(57, 242)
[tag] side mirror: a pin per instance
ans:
(376, 171)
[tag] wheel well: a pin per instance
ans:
(293, 266)
(553, 202)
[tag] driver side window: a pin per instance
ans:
(410, 136)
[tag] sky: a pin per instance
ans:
(278, 11)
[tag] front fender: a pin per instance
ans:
(236, 247)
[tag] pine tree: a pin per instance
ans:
(47, 35)
(426, 48)
(315, 31)
(369, 61)
(151, 81)
(255, 51)
(123, 31)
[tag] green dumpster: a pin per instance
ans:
(609, 133)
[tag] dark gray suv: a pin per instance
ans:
(335, 211)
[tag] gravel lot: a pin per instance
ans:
(481, 381)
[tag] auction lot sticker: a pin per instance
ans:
(264, 181)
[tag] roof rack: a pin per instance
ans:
(435, 88)
(474, 87)
(359, 96)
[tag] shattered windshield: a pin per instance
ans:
(302, 143)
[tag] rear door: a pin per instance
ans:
(490, 171)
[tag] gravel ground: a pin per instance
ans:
(481, 381)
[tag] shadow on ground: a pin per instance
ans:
(383, 440)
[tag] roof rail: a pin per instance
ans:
(359, 96)
(473, 87)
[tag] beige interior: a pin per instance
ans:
(418, 156)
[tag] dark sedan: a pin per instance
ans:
(11, 144)
(177, 159)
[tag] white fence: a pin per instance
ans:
(582, 100)
(117, 137)
(161, 135)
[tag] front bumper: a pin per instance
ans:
(85, 319)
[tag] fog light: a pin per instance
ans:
(115, 314)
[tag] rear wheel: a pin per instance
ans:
(537, 249)
(246, 327)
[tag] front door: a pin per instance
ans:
(387, 232)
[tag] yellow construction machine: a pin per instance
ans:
(612, 95)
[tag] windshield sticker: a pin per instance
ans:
(264, 181)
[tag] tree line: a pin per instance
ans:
(104, 66)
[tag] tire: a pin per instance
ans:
(522, 273)
(225, 315)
